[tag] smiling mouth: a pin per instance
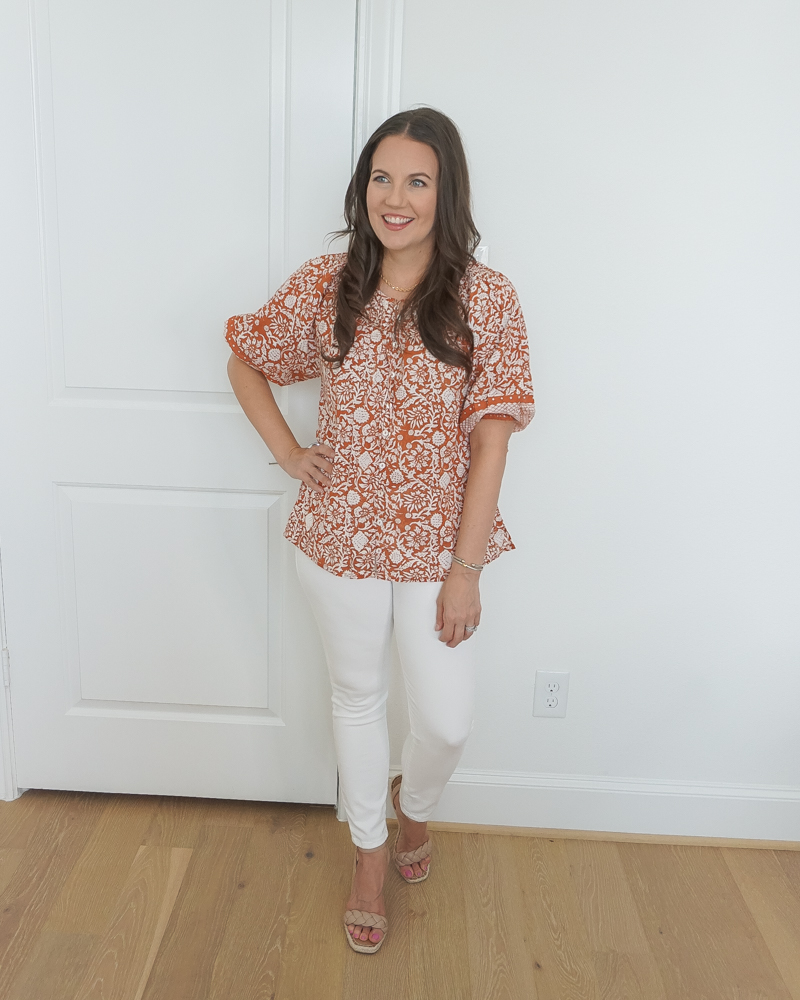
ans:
(396, 222)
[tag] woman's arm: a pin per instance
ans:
(459, 603)
(311, 465)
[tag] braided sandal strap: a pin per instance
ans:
(364, 918)
(415, 856)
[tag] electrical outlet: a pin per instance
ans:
(481, 254)
(550, 692)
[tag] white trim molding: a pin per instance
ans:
(621, 805)
(279, 69)
(379, 52)
(7, 760)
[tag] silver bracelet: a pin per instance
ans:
(468, 565)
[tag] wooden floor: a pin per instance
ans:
(115, 897)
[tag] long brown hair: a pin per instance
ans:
(440, 314)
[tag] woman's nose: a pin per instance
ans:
(396, 198)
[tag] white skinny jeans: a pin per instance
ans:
(355, 619)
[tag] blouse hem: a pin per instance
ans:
(441, 575)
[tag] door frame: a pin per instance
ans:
(7, 758)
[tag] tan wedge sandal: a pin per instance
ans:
(405, 859)
(364, 918)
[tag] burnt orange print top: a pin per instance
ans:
(397, 418)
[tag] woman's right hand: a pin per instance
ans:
(310, 465)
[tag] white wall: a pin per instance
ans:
(636, 176)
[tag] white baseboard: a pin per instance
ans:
(619, 805)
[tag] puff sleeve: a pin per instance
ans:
(501, 382)
(280, 340)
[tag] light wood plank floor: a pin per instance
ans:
(112, 897)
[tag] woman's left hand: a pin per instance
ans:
(458, 604)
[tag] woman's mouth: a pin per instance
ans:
(396, 222)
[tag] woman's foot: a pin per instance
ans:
(412, 836)
(367, 891)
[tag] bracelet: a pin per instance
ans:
(468, 565)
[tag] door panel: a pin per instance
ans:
(162, 586)
(160, 160)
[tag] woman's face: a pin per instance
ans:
(401, 194)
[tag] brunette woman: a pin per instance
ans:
(423, 358)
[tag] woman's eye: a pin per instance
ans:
(418, 181)
(379, 177)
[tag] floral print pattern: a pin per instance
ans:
(397, 418)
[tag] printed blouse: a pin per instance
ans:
(397, 418)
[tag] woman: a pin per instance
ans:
(416, 344)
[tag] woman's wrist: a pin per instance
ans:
(286, 454)
(457, 570)
(470, 564)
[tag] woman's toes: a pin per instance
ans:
(416, 870)
(375, 936)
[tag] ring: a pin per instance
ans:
(470, 628)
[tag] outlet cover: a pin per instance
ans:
(550, 691)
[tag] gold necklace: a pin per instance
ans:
(397, 288)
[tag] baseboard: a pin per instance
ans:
(621, 809)
(610, 835)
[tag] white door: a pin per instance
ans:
(166, 164)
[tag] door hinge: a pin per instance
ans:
(6, 668)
